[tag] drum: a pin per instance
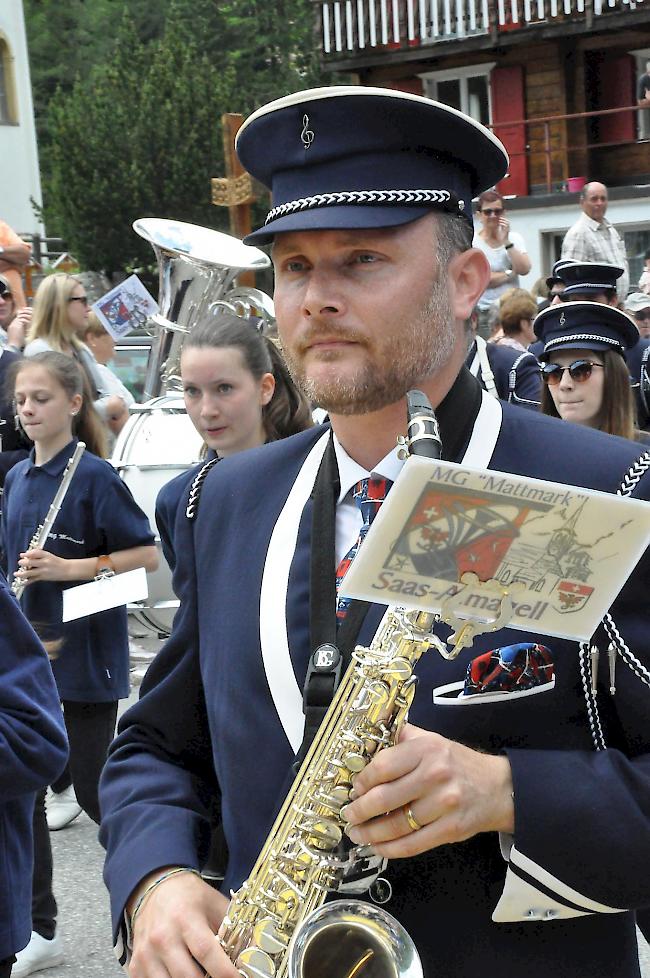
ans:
(157, 443)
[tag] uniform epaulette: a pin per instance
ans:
(197, 487)
(634, 475)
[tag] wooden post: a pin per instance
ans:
(233, 192)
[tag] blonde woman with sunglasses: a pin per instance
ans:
(60, 319)
(584, 369)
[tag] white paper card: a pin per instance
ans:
(573, 549)
(125, 307)
(104, 593)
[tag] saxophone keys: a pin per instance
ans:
(267, 936)
(354, 761)
(399, 669)
(255, 963)
(324, 833)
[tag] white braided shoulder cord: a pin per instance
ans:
(628, 484)
(590, 699)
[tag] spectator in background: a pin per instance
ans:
(594, 239)
(13, 443)
(60, 319)
(643, 91)
(637, 305)
(13, 321)
(505, 252)
(517, 310)
(102, 346)
(14, 256)
(644, 281)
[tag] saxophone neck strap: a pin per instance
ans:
(332, 650)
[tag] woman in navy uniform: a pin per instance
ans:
(34, 751)
(585, 373)
(504, 812)
(99, 525)
(238, 394)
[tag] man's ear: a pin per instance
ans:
(468, 277)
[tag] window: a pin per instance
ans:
(642, 57)
(465, 89)
(636, 244)
(7, 91)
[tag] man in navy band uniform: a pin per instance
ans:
(505, 373)
(534, 842)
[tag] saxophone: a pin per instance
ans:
(43, 531)
(276, 925)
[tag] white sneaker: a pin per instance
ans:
(61, 809)
(38, 955)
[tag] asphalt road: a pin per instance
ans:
(84, 921)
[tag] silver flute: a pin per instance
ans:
(43, 531)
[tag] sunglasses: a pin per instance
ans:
(5, 291)
(83, 299)
(492, 211)
(643, 317)
(579, 370)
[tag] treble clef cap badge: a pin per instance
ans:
(562, 319)
(307, 135)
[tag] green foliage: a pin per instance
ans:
(129, 97)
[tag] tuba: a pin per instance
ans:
(198, 269)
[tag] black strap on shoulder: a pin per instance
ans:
(332, 652)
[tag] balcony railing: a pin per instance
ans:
(359, 26)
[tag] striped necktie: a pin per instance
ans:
(368, 494)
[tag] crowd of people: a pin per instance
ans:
(500, 814)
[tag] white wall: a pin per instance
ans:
(19, 173)
(532, 223)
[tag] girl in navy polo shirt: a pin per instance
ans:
(99, 525)
(238, 394)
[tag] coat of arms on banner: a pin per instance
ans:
(568, 551)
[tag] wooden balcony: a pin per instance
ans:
(365, 32)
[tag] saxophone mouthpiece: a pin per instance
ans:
(422, 432)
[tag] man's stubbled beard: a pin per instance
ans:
(415, 350)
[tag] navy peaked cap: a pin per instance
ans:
(585, 277)
(585, 326)
(356, 157)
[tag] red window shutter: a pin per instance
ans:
(616, 87)
(413, 86)
(508, 105)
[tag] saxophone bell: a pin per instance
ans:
(353, 939)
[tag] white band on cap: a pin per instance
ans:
(362, 197)
(581, 286)
(569, 338)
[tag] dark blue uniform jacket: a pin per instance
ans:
(33, 752)
(98, 516)
(516, 374)
(169, 500)
(207, 723)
